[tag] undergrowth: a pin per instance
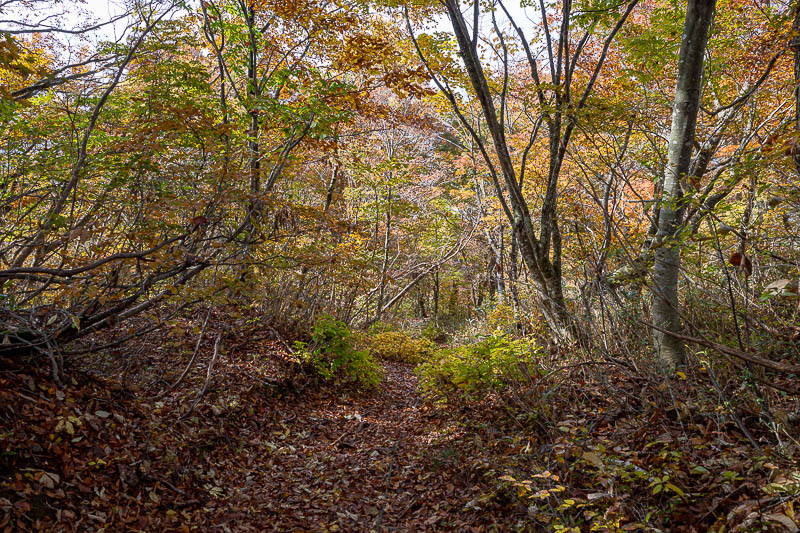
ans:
(471, 371)
(596, 449)
(400, 346)
(332, 357)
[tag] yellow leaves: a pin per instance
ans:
(593, 459)
(526, 486)
(546, 493)
(364, 50)
(67, 424)
(352, 242)
(20, 61)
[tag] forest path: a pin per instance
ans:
(362, 462)
(250, 457)
(110, 452)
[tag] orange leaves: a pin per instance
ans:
(409, 82)
(781, 143)
(199, 221)
(742, 262)
(364, 50)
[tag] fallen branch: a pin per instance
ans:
(750, 357)
(208, 378)
(575, 365)
(281, 340)
(194, 356)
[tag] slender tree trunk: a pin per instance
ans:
(795, 44)
(500, 272)
(547, 281)
(666, 310)
(332, 184)
(541, 255)
(436, 296)
(253, 91)
(254, 156)
(490, 276)
(385, 263)
(513, 272)
(421, 302)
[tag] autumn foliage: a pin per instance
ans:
(350, 265)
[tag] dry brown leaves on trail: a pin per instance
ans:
(250, 458)
(110, 453)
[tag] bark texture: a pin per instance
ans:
(666, 311)
(795, 45)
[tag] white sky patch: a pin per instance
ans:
(525, 17)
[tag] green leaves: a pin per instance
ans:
(487, 366)
(333, 357)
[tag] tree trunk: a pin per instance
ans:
(535, 252)
(500, 269)
(490, 278)
(421, 302)
(666, 310)
(334, 183)
(254, 95)
(385, 263)
(436, 297)
(795, 44)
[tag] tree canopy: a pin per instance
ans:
(529, 202)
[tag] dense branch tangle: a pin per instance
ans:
(117, 215)
(555, 86)
(165, 159)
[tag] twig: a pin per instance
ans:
(767, 383)
(194, 356)
(208, 378)
(346, 432)
(751, 357)
(171, 486)
(54, 366)
(150, 477)
(732, 412)
(281, 340)
(379, 520)
(264, 381)
(408, 508)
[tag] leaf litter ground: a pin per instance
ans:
(111, 452)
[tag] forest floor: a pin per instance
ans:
(109, 452)
(113, 452)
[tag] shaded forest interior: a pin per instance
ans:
(372, 265)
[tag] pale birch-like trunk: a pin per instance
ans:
(666, 310)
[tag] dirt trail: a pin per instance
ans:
(360, 463)
(111, 454)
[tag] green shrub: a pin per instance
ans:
(434, 333)
(380, 327)
(501, 318)
(399, 346)
(332, 357)
(490, 365)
